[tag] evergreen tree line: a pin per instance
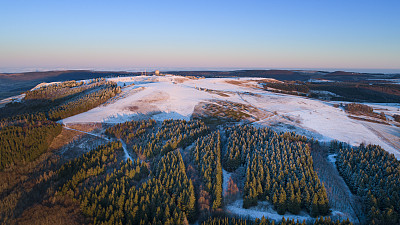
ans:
(149, 139)
(27, 134)
(85, 102)
(117, 192)
(60, 90)
(26, 141)
(207, 157)
(359, 108)
(172, 174)
(279, 169)
(345, 91)
(91, 164)
(129, 130)
(56, 90)
(289, 86)
(374, 174)
(19, 120)
(58, 104)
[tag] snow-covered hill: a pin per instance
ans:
(176, 97)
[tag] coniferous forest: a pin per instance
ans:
(25, 134)
(172, 171)
(373, 174)
(61, 100)
(26, 142)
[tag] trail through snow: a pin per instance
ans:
(127, 156)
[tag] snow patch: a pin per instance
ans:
(17, 98)
(263, 209)
(127, 156)
(332, 158)
(225, 177)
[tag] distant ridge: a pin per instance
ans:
(293, 75)
(12, 84)
(59, 75)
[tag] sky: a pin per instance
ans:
(133, 35)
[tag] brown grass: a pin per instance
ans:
(225, 110)
(220, 93)
(234, 82)
(87, 127)
(180, 80)
(62, 211)
(64, 138)
(368, 120)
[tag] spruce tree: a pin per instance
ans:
(282, 202)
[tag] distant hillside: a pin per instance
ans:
(59, 75)
(290, 75)
(14, 83)
(277, 74)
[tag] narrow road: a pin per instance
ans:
(93, 134)
(127, 156)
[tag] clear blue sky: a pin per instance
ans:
(178, 34)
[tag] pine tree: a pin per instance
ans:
(314, 211)
(192, 203)
(282, 202)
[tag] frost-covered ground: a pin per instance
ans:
(17, 98)
(266, 209)
(166, 97)
(263, 209)
(225, 178)
(332, 158)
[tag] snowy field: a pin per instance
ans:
(175, 97)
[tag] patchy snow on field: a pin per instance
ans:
(225, 177)
(160, 98)
(263, 209)
(387, 108)
(332, 158)
(169, 97)
(43, 84)
(17, 98)
(324, 93)
(321, 118)
(127, 156)
(320, 81)
(175, 97)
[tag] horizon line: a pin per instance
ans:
(11, 70)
